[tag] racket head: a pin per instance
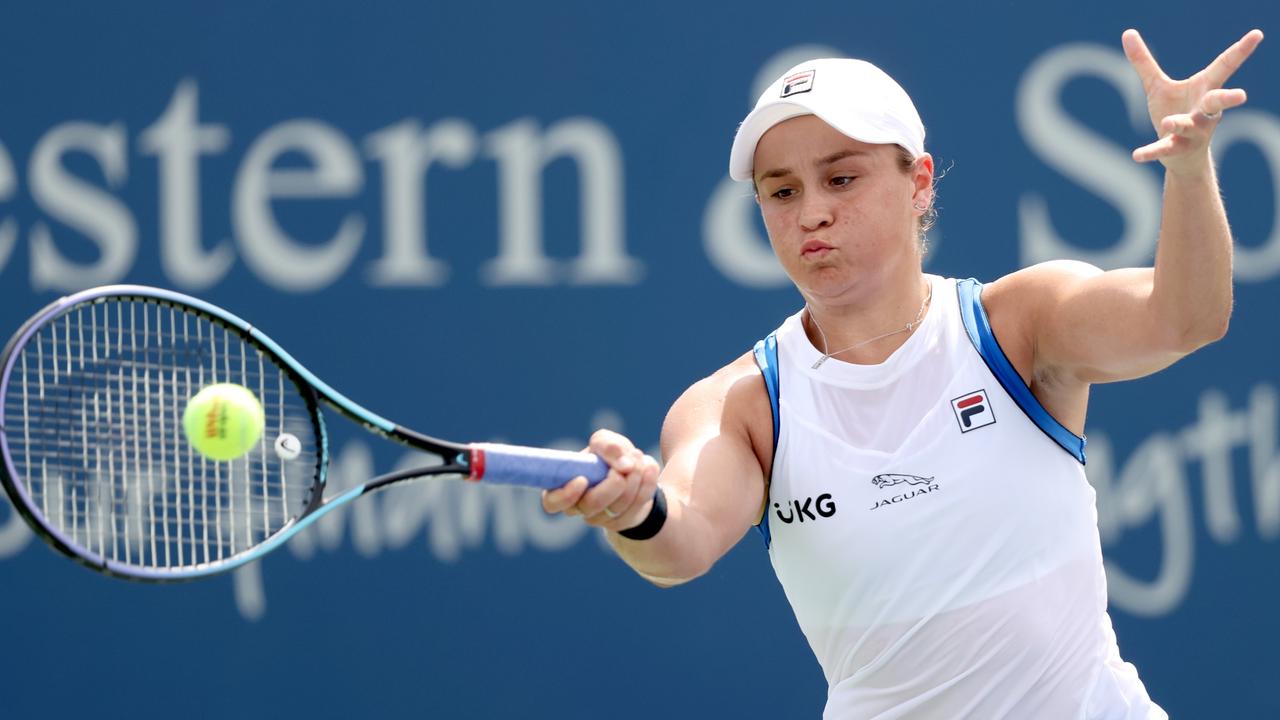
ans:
(92, 450)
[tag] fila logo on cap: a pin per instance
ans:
(798, 83)
(973, 410)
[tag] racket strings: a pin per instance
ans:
(94, 426)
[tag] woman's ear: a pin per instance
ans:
(922, 181)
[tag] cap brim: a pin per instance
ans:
(743, 155)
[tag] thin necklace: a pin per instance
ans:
(905, 328)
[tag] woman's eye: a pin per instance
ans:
(783, 193)
(841, 180)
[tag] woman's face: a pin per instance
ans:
(839, 211)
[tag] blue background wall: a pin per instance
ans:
(608, 129)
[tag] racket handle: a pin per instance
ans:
(535, 467)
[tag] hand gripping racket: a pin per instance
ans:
(92, 394)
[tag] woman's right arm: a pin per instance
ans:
(717, 444)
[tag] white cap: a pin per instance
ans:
(852, 96)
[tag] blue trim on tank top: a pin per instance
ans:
(766, 354)
(984, 341)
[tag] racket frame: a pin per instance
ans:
(456, 457)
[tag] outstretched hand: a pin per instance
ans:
(1185, 112)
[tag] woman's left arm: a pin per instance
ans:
(1084, 325)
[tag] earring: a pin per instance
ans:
(919, 206)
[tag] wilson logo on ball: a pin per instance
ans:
(214, 422)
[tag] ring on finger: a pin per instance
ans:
(611, 513)
(1211, 116)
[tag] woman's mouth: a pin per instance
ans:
(815, 248)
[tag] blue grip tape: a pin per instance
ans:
(538, 467)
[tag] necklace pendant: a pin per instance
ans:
(818, 364)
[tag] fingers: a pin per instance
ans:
(1177, 144)
(1215, 101)
(632, 507)
(1163, 147)
(1226, 64)
(611, 447)
(1185, 112)
(1215, 75)
(1188, 126)
(623, 499)
(1185, 124)
(1186, 131)
(1135, 48)
(563, 498)
(621, 455)
(616, 451)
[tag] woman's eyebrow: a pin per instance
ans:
(836, 156)
(833, 157)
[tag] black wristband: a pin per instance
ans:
(653, 521)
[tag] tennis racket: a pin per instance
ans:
(92, 393)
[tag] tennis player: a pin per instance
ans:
(914, 455)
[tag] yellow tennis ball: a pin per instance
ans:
(223, 421)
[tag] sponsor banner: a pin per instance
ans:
(514, 223)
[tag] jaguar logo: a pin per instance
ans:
(891, 479)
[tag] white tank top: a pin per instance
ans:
(935, 532)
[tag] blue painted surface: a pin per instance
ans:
(297, 130)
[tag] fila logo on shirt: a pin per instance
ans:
(799, 83)
(823, 505)
(973, 410)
